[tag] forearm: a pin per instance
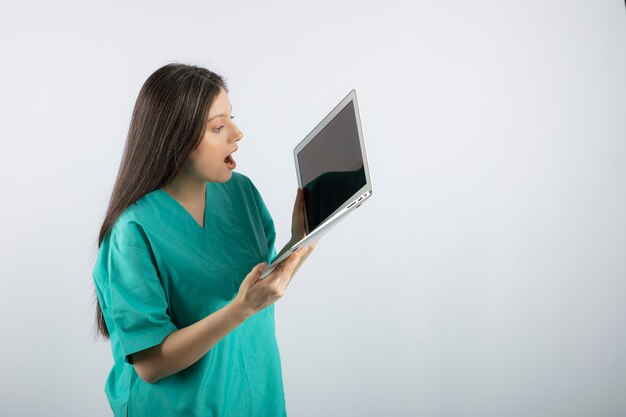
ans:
(183, 347)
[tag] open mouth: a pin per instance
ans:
(230, 162)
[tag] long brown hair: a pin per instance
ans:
(167, 124)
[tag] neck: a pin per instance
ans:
(187, 189)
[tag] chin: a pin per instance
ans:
(224, 178)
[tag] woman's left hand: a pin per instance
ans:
(297, 227)
(297, 218)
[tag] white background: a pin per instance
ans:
(485, 276)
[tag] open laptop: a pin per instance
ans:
(332, 170)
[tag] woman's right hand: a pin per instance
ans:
(255, 294)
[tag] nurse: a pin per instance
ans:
(183, 243)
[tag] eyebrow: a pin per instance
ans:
(219, 115)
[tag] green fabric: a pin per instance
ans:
(159, 271)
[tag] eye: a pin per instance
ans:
(219, 129)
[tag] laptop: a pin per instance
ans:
(332, 170)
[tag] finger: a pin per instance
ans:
(256, 272)
(287, 266)
(299, 201)
(310, 249)
(258, 269)
(278, 271)
(295, 263)
(305, 256)
(297, 257)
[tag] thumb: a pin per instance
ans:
(254, 274)
(297, 205)
(258, 270)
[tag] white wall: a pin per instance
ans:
(485, 276)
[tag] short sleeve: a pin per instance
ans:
(138, 304)
(268, 224)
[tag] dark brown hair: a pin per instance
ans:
(167, 124)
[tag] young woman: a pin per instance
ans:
(181, 248)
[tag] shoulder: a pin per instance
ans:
(133, 225)
(126, 231)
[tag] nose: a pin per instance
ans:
(238, 134)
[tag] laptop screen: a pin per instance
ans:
(331, 167)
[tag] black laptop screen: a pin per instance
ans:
(331, 167)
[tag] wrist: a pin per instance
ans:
(240, 310)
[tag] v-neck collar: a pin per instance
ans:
(184, 212)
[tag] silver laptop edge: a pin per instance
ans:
(367, 188)
(354, 202)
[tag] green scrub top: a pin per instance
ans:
(158, 271)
